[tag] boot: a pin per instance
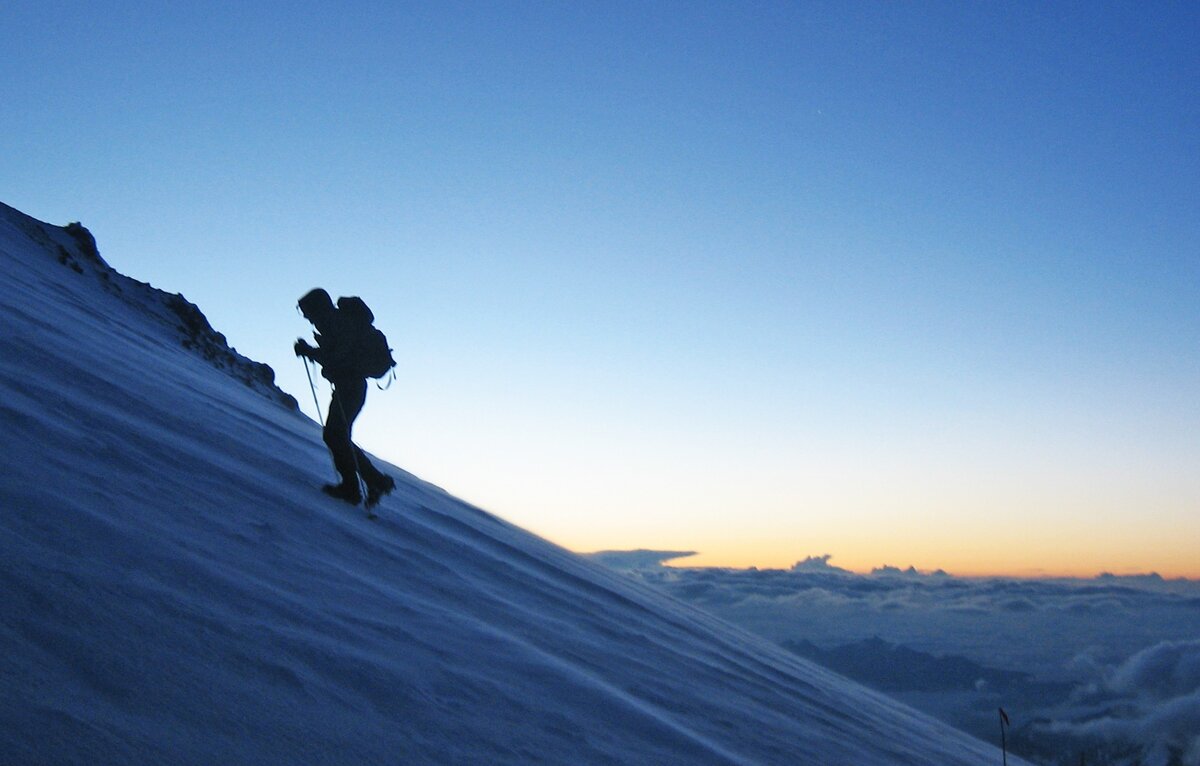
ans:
(380, 488)
(344, 491)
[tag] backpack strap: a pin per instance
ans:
(391, 378)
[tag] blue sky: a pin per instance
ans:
(904, 283)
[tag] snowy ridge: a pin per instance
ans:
(175, 590)
(74, 248)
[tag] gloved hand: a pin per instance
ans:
(302, 348)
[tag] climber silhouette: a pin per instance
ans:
(340, 336)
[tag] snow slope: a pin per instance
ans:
(174, 589)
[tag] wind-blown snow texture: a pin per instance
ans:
(176, 590)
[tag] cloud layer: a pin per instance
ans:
(1032, 625)
(1152, 698)
(1109, 659)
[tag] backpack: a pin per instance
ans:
(372, 357)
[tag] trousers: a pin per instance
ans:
(350, 461)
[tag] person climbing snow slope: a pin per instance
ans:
(349, 350)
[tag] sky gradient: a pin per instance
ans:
(907, 284)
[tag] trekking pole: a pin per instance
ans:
(312, 386)
(1004, 723)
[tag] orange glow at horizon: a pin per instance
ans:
(1022, 570)
(956, 553)
(972, 519)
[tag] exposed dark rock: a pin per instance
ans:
(86, 242)
(67, 259)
